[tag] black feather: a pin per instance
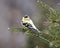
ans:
(27, 25)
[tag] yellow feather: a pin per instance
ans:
(28, 20)
(25, 19)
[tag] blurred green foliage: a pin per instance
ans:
(47, 38)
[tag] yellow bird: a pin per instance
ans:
(27, 22)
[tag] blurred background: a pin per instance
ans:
(11, 12)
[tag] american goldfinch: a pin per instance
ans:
(27, 22)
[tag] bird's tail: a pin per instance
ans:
(38, 30)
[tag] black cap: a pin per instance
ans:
(26, 16)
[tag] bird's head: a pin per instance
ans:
(25, 18)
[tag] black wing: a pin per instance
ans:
(28, 25)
